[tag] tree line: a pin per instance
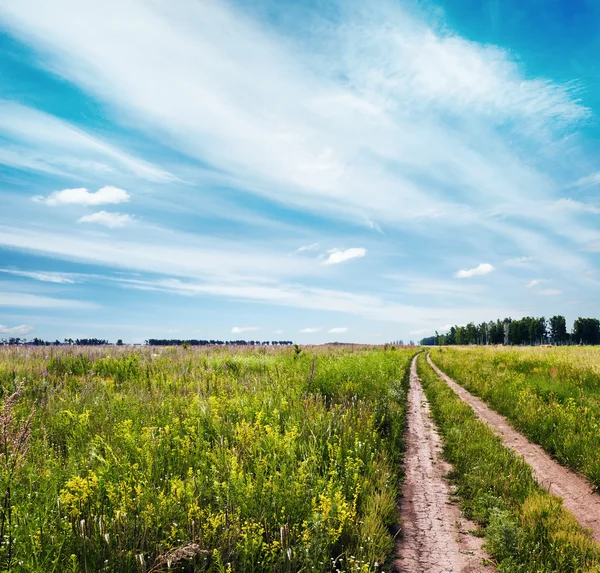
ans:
(525, 331)
(16, 341)
(194, 342)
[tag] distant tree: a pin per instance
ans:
(558, 329)
(119, 342)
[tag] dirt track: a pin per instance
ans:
(434, 534)
(576, 492)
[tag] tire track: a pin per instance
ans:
(434, 534)
(577, 493)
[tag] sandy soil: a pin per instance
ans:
(434, 537)
(576, 492)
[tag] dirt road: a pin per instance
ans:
(576, 492)
(434, 534)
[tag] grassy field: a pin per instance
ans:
(526, 530)
(552, 395)
(214, 460)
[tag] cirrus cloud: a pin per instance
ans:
(338, 330)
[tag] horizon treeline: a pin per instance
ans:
(527, 331)
(16, 341)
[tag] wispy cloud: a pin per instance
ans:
(534, 282)
(338, 330)
(44, 143)
(26, 300)
(48, 277)
(310, 330)
(111, 220)
(242, 329)
(420, 332)
(550, 292)
(279, 331)
(576, 206)
(518, 261)
(303, 248)
(16, 330)
(81, 196)
(402, 78)
(338, 256)
(478, 271)
(588, 180)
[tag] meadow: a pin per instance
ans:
(551, 395)
(214, 459)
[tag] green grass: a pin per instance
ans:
(526, 529)
(551, 395)
(213, 460)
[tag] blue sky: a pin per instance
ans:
(307, 171)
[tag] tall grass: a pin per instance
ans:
(552, 395)
(526, 529)
(210, 460)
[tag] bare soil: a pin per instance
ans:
(435, 536)
(577, 493)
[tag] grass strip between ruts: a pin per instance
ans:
(526, 529)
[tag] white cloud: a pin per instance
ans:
(338, 256)
(49, 277)
(338, 330)
(479, 270)
(445, 328)
(16, 330)
(81, 196)
(310, 330)
(549, 292)
(278, 331)
(534, 282)
(111, 220)
(242, 329)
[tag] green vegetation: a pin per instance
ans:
(550, 394)
(526, 530)
(219, 460)
(528, 330)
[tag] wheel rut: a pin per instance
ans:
(435, 536)
(577, 493)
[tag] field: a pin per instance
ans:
(287, 459)
(200, 460)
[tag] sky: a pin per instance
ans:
(309, 171)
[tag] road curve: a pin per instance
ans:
(577, 493)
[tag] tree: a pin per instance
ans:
(119, 342)
(558, 329)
